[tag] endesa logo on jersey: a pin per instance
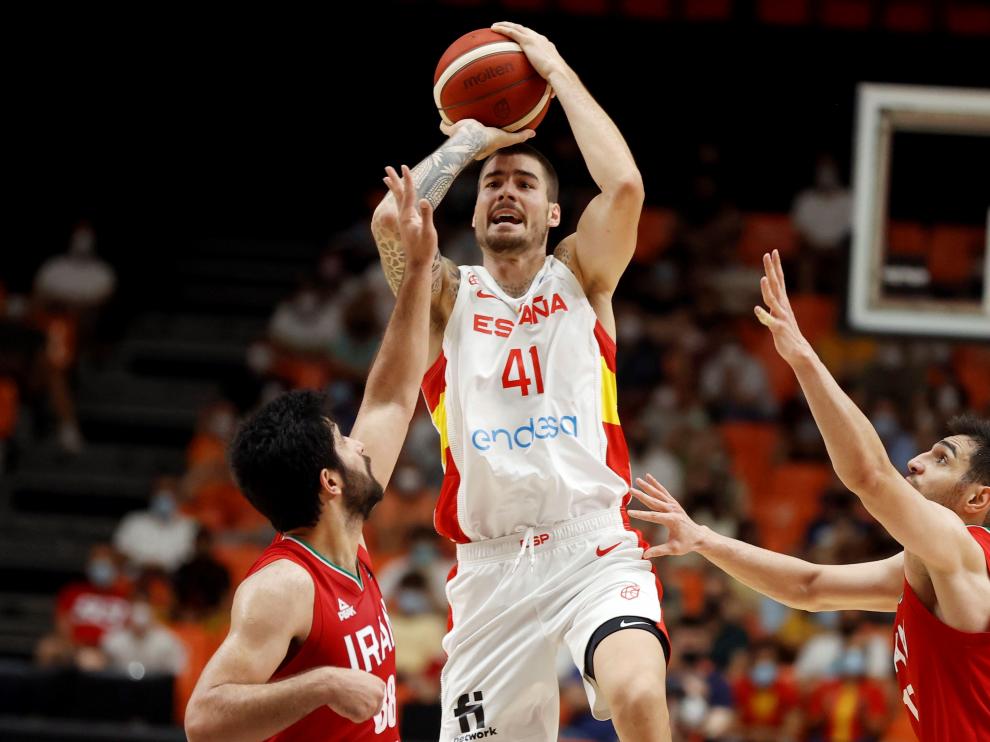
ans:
(532, 431)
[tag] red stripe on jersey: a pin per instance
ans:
(445, 515)
(433, 382)
(606, 345)
(617, 452)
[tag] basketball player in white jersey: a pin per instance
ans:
(522, 391)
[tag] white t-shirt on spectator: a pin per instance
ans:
(157, 650)
(80, 281)
(823, 219)
(149, 541)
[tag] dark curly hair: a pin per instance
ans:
(277, 456)
(979, 461)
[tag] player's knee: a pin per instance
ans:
(640, 698)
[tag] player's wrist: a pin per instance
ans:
(329, 684)
(705, 540)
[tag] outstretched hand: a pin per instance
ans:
(416, 228)
(684, 534)
(787, 337)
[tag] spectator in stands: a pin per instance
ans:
(69, 290)
(709, 222)
(735, 385)
(418, 625)
(822, 213)
(849, 707)
(409, 503)
(767, 701)
(819, 657)
(202, 583)
(353, 348)
(822, 216)
(84, 612)
(159, 537)
(77, 280)
(142, 646)
(702, 698)
(209, 493)
(423, 555)
(305, 323)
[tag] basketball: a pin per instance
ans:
(485, 76)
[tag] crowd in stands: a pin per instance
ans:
(706, 405)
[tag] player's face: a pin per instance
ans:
(512, 212)
(937, 474)
(361, 492)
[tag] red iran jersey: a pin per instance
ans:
(350, 629)
(943, 674)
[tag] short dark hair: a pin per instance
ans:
(553, 182)
(979, 460)
(277, 456)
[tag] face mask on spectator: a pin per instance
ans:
(852, 664)
(141, 616)
(763, 673)
(422, 555)
(693, 710)
(413, 602)
(408, 480)
(163, 504)
(101, 572)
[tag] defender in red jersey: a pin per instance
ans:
(310, 653)
(939, 585)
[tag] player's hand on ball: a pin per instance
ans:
(494, 139)
(539, 50)
(360, 695)
(684, 534)
(416, 228)
(787, 337)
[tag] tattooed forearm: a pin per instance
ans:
(390, 250)
(453, 279)
(437, 274)
(433, 177)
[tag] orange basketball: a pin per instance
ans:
(485, 76)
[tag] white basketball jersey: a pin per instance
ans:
(523, 395)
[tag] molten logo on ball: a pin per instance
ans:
(489, 73)
(486, 76)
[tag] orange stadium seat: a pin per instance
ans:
(912, 16)
(968, 18)
(652, 9)
(200, 643)
(852, 14)
(763, 232)
(816, 315)
(785, 508)
(707, 10)
(784, 12)
(954, 252)
(783, 383)
(972, 366)
(751, 447)
(584, 7)
(907, 239)
(9, 401)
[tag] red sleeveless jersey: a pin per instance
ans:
(350, 629)
(943, 674)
